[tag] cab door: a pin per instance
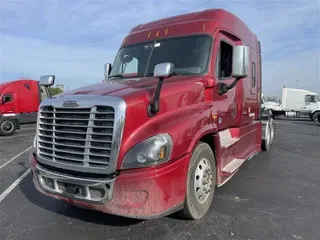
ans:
(310, 104)
(226, 106)
(8, 104)
(28, 103)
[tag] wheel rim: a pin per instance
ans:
(316, 118)
(271, 132)
(7, 126)
(203, 180)
(267, 134)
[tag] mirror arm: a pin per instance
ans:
(225, 88)
(153, 108)
(234, 83)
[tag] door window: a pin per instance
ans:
(7, 98)
(310, 98)
(224, 61)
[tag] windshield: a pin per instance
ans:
(189, 55)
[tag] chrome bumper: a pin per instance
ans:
(98, 191)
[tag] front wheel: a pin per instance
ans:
(7, 127)
(201, 183)
(316, 117)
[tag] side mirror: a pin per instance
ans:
(107, 70)
(240, 64)
(47, 80)
(163, 70)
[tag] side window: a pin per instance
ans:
(253, 74)
(308, 98)
(224, 60)
(131, 66)
(27, 86)
(7, 98)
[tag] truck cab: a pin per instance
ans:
(300, 102)
(178, 113)
(312, 106)
(273, 107)
(19, 102)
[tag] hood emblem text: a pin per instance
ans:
(70, 104)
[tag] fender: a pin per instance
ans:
(200, 134)
(191, 129)
(186, 126)
(318, 109)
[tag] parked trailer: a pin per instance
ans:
(19, 102)
(176, 117)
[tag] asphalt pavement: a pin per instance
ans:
(275, 195)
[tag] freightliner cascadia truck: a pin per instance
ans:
(177, 115)
(19, 103)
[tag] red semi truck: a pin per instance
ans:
(19, 102)
(177, 115)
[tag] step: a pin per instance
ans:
(233, 165)
(226, 140)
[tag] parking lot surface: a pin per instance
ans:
(275, 195)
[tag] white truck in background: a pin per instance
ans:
(271, 106)
(296, 103)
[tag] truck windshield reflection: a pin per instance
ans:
(189, 55)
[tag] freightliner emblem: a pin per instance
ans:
(70, 104)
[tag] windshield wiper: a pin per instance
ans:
(118, 76)
(176, 73)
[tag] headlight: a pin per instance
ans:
(150, 152)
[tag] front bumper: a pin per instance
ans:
(141, 193)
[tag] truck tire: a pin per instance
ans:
(268, 132)
(273, 115)
(315, 117)
(201, 183)
(7, 127)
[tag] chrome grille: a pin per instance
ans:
(76, 136)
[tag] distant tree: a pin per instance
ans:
(55, 91)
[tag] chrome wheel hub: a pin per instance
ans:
(268, 133)
(203, 180)
(271, 131)
(7, 126)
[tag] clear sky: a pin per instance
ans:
(73, 39)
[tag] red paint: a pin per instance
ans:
(190, 108)
(140, 193)
(25, 96)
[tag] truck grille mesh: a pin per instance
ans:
(76, 136)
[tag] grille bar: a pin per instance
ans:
(59, 131)
(71, 145)
(78, 112)
(74, 139)
(77, 119)
(73, 125)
